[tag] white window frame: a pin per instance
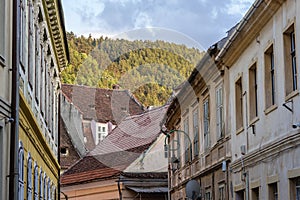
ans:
(21, 172)
(41, 180)
(196, 131)
(206, 123)
(220, 111)
(36, 181)
(29, 176)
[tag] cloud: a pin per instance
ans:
(204, 21)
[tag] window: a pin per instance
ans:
(253, 92)
(207, 195)
(273, 191)
(49, 189)
(36, 182)
(21, 172)
(29, 177)
(187, 147)
(45, 187)
(297, 188)
(31, 54)
(41, 184)
(64, 151)
(290, 60)
(255, 193)
(42, 82)
(269, 77)
(206, 123)
(239, 104)
(38, 50)
(221, 192)
(240, 195)
(219, 108)
(23, 34)
(178, 148)
(196, 131)
(2, 29)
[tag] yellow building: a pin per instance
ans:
(42, 54)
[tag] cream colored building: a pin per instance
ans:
(5, 92)
(263, 61)
(199, 142)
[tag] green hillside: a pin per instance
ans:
(150, 70)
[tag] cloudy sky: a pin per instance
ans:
(198, 23)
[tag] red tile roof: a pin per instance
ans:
(134, 135)
(132, 132)
(102, 105)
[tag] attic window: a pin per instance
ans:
(64, 151)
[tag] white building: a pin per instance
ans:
(262, 58)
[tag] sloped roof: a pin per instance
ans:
(65, 141)
(134, 135)
(132, 132)
(102, 105)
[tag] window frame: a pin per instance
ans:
(196, 131)
(290, 62)
(220, 111)
(206, 122)
(270, 77)
(253, 94)
(239, 113)
(29, 176)
(21, 172)
(187, 145)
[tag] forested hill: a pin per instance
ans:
(150, 70)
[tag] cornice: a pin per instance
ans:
(56, 27)
(269, 150)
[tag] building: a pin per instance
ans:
(198, 143)
(262, 57)
(123, 165)
(88, 115)
(102, 109)
(41, 53)
(6, 59)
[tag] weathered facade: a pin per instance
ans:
(262, 59)
(43, 53)
(199, 138)
(6, 10)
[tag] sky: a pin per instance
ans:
(197, 23)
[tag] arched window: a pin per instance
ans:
(36, 181)
(41, 184)
(45, 187)
(23, 44)
(49, 189)
(29, 177)
(21, 172)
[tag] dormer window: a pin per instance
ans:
(64, 151)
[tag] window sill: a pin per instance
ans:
(253, 121)
(240, 130)
(291, 95)
(270, 109)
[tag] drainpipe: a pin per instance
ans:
(58, 147)
(14, 137)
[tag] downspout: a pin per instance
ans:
(14, 137)
(58, 147)
(119, 188)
